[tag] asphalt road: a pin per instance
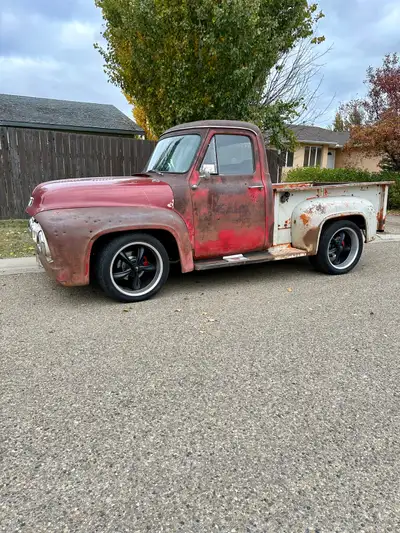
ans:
(258, 399)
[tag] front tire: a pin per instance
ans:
(340, 248)
(132, 267)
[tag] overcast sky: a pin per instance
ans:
(46, 49)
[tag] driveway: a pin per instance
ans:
(257, 399)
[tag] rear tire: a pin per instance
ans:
(132, 267)
(340, 248)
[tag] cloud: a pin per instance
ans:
(361, 33)
(46, 49)
(78, 35)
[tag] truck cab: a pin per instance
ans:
(205, 199)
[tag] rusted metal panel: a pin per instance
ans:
(228, 216)
(381, 215)
(221, 216)
(309, 217)
(276, 253)
(298, 186)
(287, 198)
(71, 234)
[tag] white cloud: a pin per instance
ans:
(78, 35)
(8, 21)
(390, 22)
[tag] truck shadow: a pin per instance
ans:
(203, 281)
(237, 275)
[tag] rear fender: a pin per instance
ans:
(309, 217)
(71, 234)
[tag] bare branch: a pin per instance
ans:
(297, 78)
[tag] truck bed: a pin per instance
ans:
(288, 195)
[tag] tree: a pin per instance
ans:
(348, 115)
(183, 60)
(338, 123)
(379, 134)
(297, 78)
(141, 119)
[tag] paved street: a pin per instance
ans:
(256, 399)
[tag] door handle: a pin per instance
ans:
(255, 186)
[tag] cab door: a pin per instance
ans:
(228, 196)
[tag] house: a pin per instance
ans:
(43, 139)
(324, 148)
(64, 115)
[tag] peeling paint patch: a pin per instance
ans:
(381, 219)
(305, 218)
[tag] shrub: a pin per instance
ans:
(334, 175)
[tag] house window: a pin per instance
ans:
(312, 156)
(287, 158)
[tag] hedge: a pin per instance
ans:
(348, 174)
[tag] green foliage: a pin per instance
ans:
(338, 123)
(184, 60)
(349, 115)
(15, 240)
(335, 175)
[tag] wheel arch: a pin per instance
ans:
(166, 238)
(311, 217)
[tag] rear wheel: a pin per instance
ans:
(340, 248)
(133, 267)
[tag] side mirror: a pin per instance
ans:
(205, 174)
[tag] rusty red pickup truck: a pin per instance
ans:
(205, 200)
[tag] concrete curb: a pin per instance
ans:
(387, 237)
(19, 265)
(29, 265)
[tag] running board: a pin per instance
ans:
(275, 253)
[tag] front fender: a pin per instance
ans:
(71, 233)
(308, 218)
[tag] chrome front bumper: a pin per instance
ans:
(39, 238)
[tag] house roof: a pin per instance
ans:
(315, 134)
(46, 113)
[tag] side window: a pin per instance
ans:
(210, 163)
(230, 155)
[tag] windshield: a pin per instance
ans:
(174, 154)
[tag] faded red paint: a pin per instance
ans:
(222, 216)
(208, 218)
(100, 192)
(225, 205)
(72, 232)
(231, 240)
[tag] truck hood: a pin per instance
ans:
(140, 190)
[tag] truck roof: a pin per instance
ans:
(225, 124)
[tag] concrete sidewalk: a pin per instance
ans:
(392, 224)
(19, 265)
(26, 265)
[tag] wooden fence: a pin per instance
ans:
(29, 157)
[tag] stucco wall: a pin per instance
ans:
(355, 159)
(298, 158)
